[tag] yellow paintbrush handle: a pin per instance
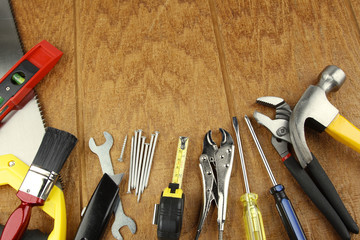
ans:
(13, 171)
(345, 132)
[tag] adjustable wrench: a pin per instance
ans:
(103, 152)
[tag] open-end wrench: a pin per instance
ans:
(103, 152)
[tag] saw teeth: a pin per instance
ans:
(40, 108)
(16, 26)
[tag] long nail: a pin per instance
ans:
(140, 163)
(134, 160)
(143, 171)
(130, 166)
(137, 156)
(151, 157)
(147, 162)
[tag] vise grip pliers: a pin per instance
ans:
(323, 193)
(219, 161)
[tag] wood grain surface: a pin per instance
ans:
(182, 68)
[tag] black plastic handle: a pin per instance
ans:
(316, 196)
(98, 212)
(287, 213)
(331, 194)
(169, 217)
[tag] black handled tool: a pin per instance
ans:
(99, 210)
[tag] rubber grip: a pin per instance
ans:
(287, 213)
(345, 132)
(316, 196)
(331, 194)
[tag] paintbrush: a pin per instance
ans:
(43, 173)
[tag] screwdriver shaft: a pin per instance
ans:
(243, 167)
(253, 134)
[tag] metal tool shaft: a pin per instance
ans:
(134, 160)
(140, 165)
(242, 160)
(141, 183)
(131, 164)
(253, 134)
(151, 158)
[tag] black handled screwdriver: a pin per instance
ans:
(283, 204)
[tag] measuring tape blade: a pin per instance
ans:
(180, 160)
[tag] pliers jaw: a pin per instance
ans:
(210, 147)
(279, 127)
(217, 160)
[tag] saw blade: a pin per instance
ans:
(21, 130)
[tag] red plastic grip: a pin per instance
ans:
(44, 56)
(19, 219)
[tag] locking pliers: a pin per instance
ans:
(219, 161)
(321, 191)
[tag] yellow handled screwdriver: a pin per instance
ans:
(169, 213)
(254, 226)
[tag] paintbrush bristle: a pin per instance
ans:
(55, 148)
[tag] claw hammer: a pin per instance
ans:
(315, 110)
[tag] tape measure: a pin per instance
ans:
(169, 213)
(180, 160)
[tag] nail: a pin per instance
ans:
(147, 162)
(131, 161)
(134, 160)
(137, 156)
(143, 171)
(140, 163)
(151, 157)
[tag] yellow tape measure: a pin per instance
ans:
(180, 160)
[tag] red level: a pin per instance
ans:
(25, 74)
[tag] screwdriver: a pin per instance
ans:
(254, 226)
(283, 204)
(168, 214)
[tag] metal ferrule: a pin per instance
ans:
(38, 182)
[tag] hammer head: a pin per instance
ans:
(315, 110)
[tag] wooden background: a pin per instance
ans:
(183, 68)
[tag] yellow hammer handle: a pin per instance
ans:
(345, 132)
(13, 171)
(254, 225)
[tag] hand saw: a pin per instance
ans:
(22, 130)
